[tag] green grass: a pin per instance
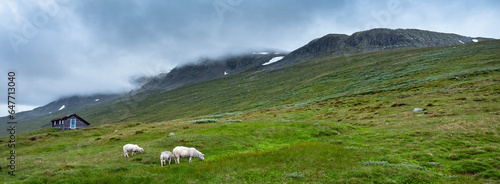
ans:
(343, 119)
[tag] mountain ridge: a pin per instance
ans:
(374, 40)
(208, 69)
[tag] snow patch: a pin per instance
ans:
(97, 100)
(225, 73)
(62, 107)
(475, 40)
(273, 60)
(261, 53)
(461, 41)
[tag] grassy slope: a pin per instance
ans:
(343, 119)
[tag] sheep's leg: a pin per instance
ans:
(169, 159)
(190, 160)
(125, 155)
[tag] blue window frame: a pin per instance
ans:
(73, 124)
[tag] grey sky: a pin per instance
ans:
(64, 47)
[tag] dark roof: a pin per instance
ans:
(69, 115)
(61, 117)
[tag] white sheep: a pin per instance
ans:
(166, 155)
(184, 152)
(131, 148)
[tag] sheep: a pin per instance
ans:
(131, 148)
(184, 152)
(166, 155)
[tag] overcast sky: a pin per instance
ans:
(62, 47)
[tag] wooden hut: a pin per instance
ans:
(69, 122)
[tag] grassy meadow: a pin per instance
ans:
(342, 119)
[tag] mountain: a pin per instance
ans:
(328, 45)
(311, 80)
(242, 70)
(374, 40)
(414, 115)
(358, 112)
(208, 69)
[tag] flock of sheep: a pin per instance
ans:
(177, 153)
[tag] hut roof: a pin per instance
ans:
(69, 115)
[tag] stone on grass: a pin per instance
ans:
(418, 109)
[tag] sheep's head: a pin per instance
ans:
(201, 157)
(142, 150)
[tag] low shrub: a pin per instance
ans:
(294, 175)
(234, 121)
(470, 167)
(118, 169)
(387, 164)
(489, 174)
(200, 121)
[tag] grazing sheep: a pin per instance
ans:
(184, 152)
(131, 148)
(166, 155)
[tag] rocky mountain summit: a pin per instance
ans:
(374, 40)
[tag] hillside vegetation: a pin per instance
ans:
(339, 119)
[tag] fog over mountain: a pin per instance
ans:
(62, 48)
